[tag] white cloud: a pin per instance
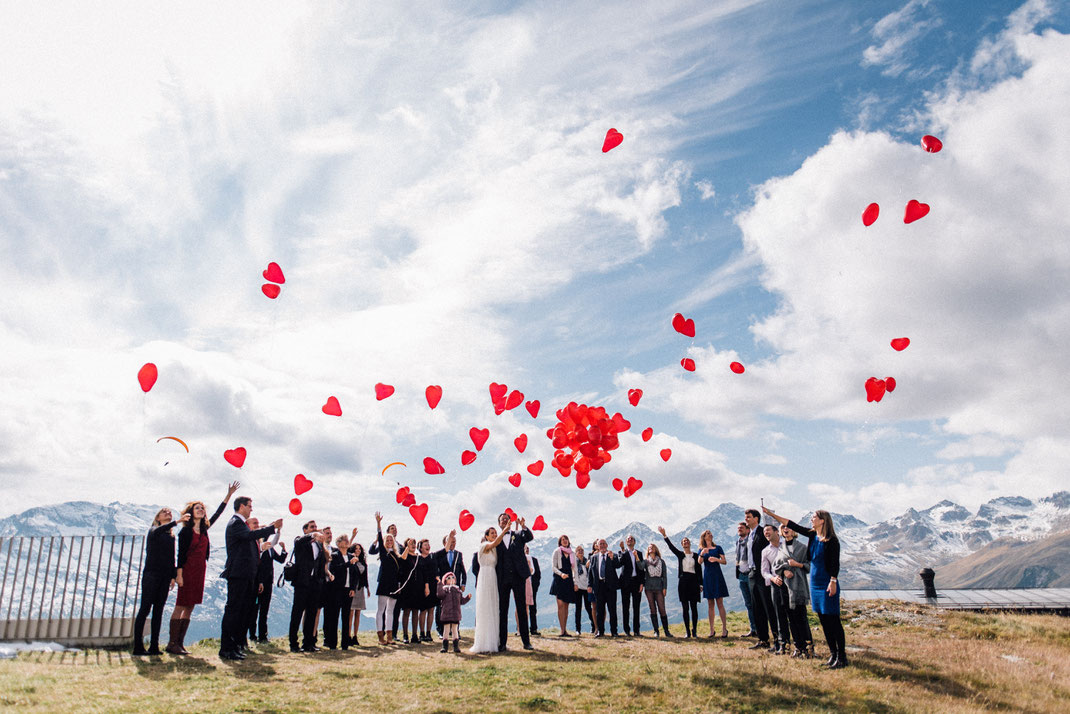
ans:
(705, 189)
(772, 459)
(895, 33)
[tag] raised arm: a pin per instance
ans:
(675, 551)
(234, 486)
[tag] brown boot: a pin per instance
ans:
(174, 642)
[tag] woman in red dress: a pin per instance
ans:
(192, 563)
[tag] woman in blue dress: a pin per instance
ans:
(714, 588)
(824, 551)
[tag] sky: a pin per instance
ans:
(431, 181)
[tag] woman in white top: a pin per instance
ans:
(486, 637)
(583, 602)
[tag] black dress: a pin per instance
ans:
(411, 596)
(564, 588)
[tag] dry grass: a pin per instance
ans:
(903, 658)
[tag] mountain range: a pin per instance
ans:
(1007, 542)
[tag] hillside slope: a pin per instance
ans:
(1010, 563)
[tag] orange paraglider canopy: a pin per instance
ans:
(174, 438)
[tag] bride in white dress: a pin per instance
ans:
(486, 637)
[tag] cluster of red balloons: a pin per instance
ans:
(583, 438)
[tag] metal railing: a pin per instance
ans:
(70, 589)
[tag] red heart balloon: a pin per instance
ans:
(914, 211)
(402, 493)
(634, 395)
(146, 376)
(272, 291)
(533, 408)
(612, 141)
(434, 395)
(875, 389)
(870, 214)
(737, 368)
(900, 343)
(235, 457)
(410, 499)
(295, 506)
(931, 143)
(512, 514)
(688, 364)
(467, 457)
(620, 423)
(684, 327)
(582, 479)
(465, 520)
(634, 485)
(274, 274)
(431, 466)
(889, 383)
(418, 513)
(497, 391)
(521, 442)
(515, 480)
(499, 407)
(535, 469)
(332, 407)
(647, 433)
(301, 484)
(516, 398)
(479, 437)
(382, 391)
(617, 484)
(666, 454)
(539, 524)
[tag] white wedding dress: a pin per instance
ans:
(486, 638)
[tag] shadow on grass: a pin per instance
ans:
(772, 692)
(901, 670)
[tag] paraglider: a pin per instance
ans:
(174, 438)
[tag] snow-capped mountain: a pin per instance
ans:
(882, 555)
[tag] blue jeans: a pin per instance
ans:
(744, 587)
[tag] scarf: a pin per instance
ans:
(655, 567)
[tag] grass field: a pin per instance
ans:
(903, 659)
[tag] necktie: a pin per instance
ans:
(601, 567)
(449, 557)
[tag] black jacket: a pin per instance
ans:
(243, 556)
(265, 571)
(594, 564)
(185, 537)
(308, 569)
(389, 569)
(442, 566)
(357, 579)
(513, 561)
(757, 546)
(681, 555)
(339, 567)
(160, 551)
(629, 576)
(536, 577)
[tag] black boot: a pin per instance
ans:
(457, 646)
(654, 622)
(841, 660)
(445, 645)
(665, 625)
(139, 647)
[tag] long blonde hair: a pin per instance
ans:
(156, 519)
(702, 539)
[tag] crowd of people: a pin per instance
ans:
(419, 591)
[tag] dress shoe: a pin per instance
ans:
(528, 646)
(752, 633)
(313, 648)
(759, 646)
(295, 648)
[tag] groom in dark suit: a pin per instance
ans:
(243, 558)
(513, 572)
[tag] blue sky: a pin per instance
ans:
(432, 184)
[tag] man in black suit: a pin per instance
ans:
(310, 563)
(513, 572)
(265, 581)
(449, 560)
(536, 580)
(243, 558)
(338, 594)
(603, 584)
(631, 585)
(761, 598)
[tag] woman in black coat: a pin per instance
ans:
(690, 582)
(157, 579)
(387, 586)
